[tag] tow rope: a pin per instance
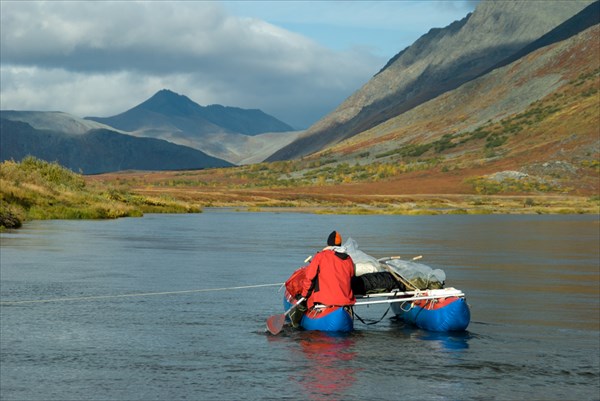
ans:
(144, 294)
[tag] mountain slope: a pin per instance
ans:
(53, 121)
(533, 123)
(99, 150)
(167, 109)
(439, 61)
(228, 133)
(581, 21)
(240, 149)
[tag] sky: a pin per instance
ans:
(295, 60)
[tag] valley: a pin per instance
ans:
(438, 130)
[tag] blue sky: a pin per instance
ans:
(296, 60)
(382, 27)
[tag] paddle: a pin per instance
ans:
(275, 323)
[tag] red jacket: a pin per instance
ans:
(331, 272)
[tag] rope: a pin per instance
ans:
(144, 294)
(409, 307)
(370, 322)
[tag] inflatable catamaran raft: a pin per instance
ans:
(414, 291)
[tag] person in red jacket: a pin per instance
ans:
(327, 277)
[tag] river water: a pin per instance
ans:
(173, 307)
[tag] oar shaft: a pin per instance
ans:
(287, 312)
(411, 299)
(442, 292)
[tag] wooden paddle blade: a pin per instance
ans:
(275, 324)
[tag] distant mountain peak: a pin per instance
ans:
(166, 101)
(168, 94)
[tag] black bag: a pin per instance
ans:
(373, 283)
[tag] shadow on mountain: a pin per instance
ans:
(99, 150)
(588, 17)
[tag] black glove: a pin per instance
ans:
(300, 306)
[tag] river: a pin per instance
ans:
(169, 307)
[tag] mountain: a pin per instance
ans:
(532, 125)
(440, 61)
(167, 109)
(176, 119)
(98, 150)
(229, 133)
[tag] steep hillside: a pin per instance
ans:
(98, 150)
(534, 122)
(440, 61)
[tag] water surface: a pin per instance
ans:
(532, 283)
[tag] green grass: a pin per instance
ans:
(486, 186)
(37, 190)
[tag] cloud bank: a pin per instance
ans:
(102, 58)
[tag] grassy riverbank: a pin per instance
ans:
(236, 188)
(36, 190)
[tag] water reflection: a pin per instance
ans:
(328, 373)
(444, 341)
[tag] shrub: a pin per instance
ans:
(52, 173)
(494, 141)
(444, 143)
(35, 189)
(9, 217)
(415, 150)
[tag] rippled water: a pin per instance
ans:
(532, 283)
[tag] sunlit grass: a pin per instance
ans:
(37, 190)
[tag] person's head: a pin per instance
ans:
(334, 239)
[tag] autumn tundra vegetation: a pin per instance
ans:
(34, 190)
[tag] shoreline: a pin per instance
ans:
(359, 210)
(424, 204)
